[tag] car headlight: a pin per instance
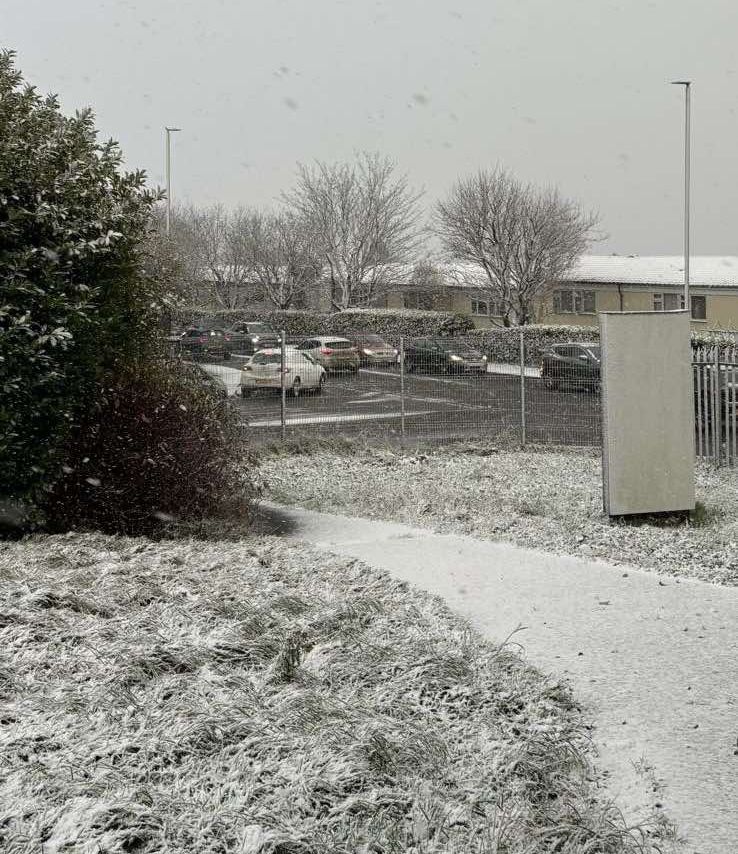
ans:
(484, 358)
(254, 339)
(455, 358)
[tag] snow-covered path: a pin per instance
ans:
(656, 661)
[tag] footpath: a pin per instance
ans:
(654, 660)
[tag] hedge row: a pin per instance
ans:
(388, 322)
(502, 344)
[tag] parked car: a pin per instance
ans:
(202, 343)
(263, 370)
(211, 381)
(374, 350)
(333, 353)
(248, 336)
(444, 355)
(573, 364)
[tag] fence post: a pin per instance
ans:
(402, 387)
(283, 390)
(522, 388)
(716, 396)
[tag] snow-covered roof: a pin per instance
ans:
(707, 271)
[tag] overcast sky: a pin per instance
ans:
(568, 92)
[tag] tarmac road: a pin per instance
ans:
(435, 406)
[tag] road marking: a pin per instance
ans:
(393, 399)
(332, 419)
(495, 368)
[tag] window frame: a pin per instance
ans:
(576, 299)
(659, 303)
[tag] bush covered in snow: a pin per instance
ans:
(502, 344)
(388, 322)
(76, 304)
(157, 445)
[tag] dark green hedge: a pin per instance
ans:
(502, 344)
(388, 322)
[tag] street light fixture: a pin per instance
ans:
(687, 86)
(169, 131)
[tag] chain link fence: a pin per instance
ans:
(446, 388)
(426, 388)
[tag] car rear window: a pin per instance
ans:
(267, 359)
(260, 329)
(339, 345)
(371, 339)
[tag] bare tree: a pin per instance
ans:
(283, 259)
(518, 240)
(214, 246)
(426, 287)
(362, 219)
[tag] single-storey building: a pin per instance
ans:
(602, 283)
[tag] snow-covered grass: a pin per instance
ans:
(254, 696)
(551, 500)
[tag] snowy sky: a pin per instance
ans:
(569, 92)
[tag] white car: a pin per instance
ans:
(263, 370)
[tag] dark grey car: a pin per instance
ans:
(576, 365)
(248, 336)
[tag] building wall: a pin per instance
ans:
(721, 308)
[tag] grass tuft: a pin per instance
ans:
(255, 697)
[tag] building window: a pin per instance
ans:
(487, 308)
(675, 302)
(699, 307)
(574, 302)
(418, 299)
(668, 302)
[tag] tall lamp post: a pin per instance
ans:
(169, 131)
(687, 86)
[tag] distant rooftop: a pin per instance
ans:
(704, 270)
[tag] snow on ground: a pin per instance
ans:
(541, 499)
(255, 695)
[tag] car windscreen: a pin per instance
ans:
(372, 339)
(267, 359)
(339, 345)
(259, 329)
(460, 347)
(595, 351)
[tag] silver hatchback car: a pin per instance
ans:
(333, 353)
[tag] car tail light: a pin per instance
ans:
(202, 339)
(326, 351)
(227, 337)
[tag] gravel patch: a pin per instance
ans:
(262, 697)
(540, 499)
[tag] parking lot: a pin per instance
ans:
(435, 406)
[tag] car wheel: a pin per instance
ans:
(245, 392)
(410, 367)
(551, 383)
(321, 384)
(296, 387)
(226, 356)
